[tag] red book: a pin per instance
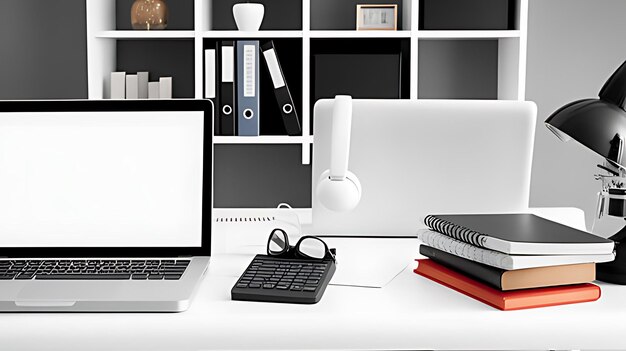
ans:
(507, 300)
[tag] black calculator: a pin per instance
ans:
(289, 280)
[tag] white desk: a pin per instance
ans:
(409, 313)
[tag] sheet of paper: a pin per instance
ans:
(371, 262)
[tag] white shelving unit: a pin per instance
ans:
(102, 36)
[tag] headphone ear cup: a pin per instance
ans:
(339, 195)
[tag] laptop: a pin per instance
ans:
(105, 205)
(419, 157)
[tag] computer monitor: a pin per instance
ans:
(420, 157)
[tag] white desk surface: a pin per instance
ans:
(410, 312)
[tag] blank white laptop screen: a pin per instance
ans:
(101, 179)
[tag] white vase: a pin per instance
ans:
(248, 16)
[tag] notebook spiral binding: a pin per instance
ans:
(456, 231)
(236, 219)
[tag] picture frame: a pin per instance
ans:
(376, 17)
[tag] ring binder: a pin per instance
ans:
(248, 87)
(281, 90)
(227, 88)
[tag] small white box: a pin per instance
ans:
(142, 84)
(132, 90)
(153, 90)
(118, 85)
(165, 88)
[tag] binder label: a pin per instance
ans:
(249, 79)
(228, 65)
(274, 68)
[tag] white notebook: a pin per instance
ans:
(501, 260)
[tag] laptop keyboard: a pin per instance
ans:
(92, 269)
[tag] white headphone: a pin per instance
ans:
(338, 189)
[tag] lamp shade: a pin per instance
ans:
(598, 124)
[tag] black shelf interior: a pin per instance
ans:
(458, 69)
(341, 15)
(371, 68)
(279, 14)
(260, 176)
(467, 14)
(289, 52)
(180, 14)
(162, 58)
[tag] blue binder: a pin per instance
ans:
(248, 87)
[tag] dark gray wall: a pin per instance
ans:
(43, 49)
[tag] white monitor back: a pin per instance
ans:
(420, 157)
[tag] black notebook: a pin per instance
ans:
(504, 280)
(518, 234)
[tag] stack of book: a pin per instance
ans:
(512, 261)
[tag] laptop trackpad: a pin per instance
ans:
(67, 292)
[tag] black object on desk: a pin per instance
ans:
(291, 274)
(290, 280)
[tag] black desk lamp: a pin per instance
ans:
(600, 125)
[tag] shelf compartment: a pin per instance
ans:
(161, 58)
(360, 34)
(180, 14)
(363, 68)
(468, 14)
(260, 176)
(467, 34)
(146, 34)
(341, 15)
(274, 18)
(289, 52)
(258, 34)
(458, 69)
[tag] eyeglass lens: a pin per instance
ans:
(277, 243)
(312, 247)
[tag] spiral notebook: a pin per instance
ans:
(518, 234)
(501, 260)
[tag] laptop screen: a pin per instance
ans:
(101, 179)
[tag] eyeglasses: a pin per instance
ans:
(308, 246)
